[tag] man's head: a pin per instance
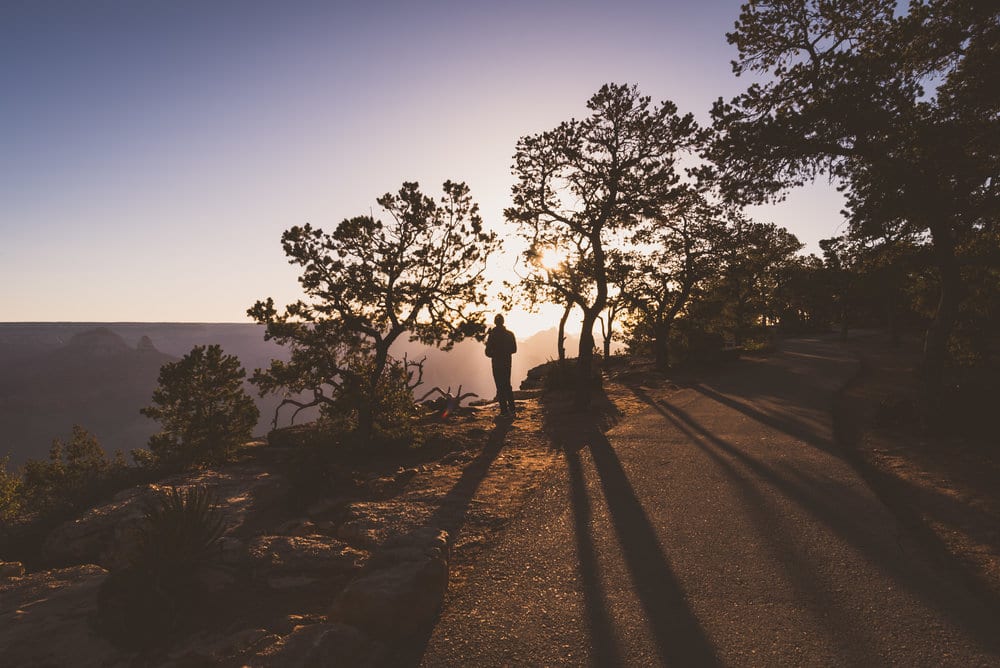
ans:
(498, 320)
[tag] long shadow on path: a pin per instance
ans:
(678, 635)
(451, 512)
(450, 516)
(821, 498)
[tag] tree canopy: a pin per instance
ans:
(417, 273)
(895, 105)
(586, 181)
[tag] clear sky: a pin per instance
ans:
(152, 151)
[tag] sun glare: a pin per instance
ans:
(552, 258)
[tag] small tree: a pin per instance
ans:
(75, 473)
(10, 491)
(202, 408)
(367, 284)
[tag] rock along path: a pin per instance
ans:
(716, 524)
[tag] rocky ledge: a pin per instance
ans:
(385, 580)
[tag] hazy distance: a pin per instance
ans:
(98, 375)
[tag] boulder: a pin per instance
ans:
(11, 569)
(396, 602)
(295, 555)
(403, 589)
(102, 535)
(323, 645)
(46, 620)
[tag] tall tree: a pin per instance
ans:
(753, 261)
(671, 254)
(583, 182)
(369, 282)
(846, 94)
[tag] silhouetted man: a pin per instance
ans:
(500, 345)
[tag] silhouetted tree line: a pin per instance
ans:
(899, 106)
(635, 215)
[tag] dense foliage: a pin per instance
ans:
(76, 473)
(895, 103)
(10, 492)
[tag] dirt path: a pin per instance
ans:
(714, 524)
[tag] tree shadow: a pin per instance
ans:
(450, 515)
(675, 630)
(797, 429)
(755, 504)
(454, 505)
(824, 500)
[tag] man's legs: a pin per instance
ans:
(505, 394)
(509, 394)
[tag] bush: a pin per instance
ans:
(203, 410)
(148, 600)
(77, 473)
(10, 492)
(391, 405)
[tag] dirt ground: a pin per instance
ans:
(943, 481)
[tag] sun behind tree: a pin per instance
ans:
(418, 273)
(587, 181)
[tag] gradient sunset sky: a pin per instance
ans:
(154, 150)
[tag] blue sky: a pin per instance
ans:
(152, 152)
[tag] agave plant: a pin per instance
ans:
(144, 603)
(180, 531)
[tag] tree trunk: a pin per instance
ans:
(366, 421)
(892, 318)
(561, 342)
(661, 346)
(368, 406)
(585, 361)
(607, 339)
(936, 341)
(738, 330)
(892, 322)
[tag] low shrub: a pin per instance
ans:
(146, 602)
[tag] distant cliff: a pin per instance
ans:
(96, 379)
(53, 375)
